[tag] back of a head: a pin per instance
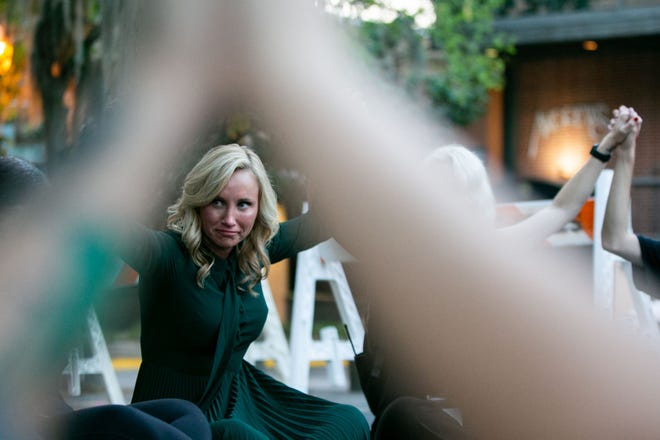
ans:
(468, 171)
(18, 180)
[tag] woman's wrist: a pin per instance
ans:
(596, 153)
(608, 144)
(625, 154)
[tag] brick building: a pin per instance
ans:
(570, 70)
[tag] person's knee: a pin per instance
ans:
(178, 413)
(168, 409)
(110, 414)
(401, 407)
(109, 420)
(410, 417)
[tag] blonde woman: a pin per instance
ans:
(202, 305)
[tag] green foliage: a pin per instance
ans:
(472, 54)
(93, 12)
(397, 46)
(10, 83)
(12, 11)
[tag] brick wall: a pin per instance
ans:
(565, 82)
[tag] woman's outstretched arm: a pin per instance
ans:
(574, 193)
(616, 236)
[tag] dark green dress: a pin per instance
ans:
(193, 341)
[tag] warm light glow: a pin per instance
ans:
(590, 45)
(568, 163)
(5, 65)
(560, 139)
(55, 70)
(491, 52)
(6, 54)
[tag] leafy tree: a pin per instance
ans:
(13, 59)
(10, 80)
(397, 46)
(80, 48)
(472, 55)
(53, 70)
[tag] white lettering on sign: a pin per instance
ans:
(590, 116)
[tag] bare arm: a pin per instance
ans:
(572, 195)
(616, 236)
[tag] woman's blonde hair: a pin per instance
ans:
(469, 171)
(202, 184)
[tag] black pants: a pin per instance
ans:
(166, 419)
(411, 418)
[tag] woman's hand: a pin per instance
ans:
(624, 127)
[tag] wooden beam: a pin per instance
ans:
(582, 25)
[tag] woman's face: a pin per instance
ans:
(230, 217)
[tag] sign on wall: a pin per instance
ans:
(560, 139)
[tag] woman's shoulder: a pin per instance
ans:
(148, 244)
(173, 239)
(296, 235)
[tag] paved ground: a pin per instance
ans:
(126, 357)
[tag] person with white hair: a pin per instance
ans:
(468, 172)
(464, 168)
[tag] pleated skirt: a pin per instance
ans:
(253, 405)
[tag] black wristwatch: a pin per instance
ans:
(598, 155)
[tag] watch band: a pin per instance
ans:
(598, 155)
